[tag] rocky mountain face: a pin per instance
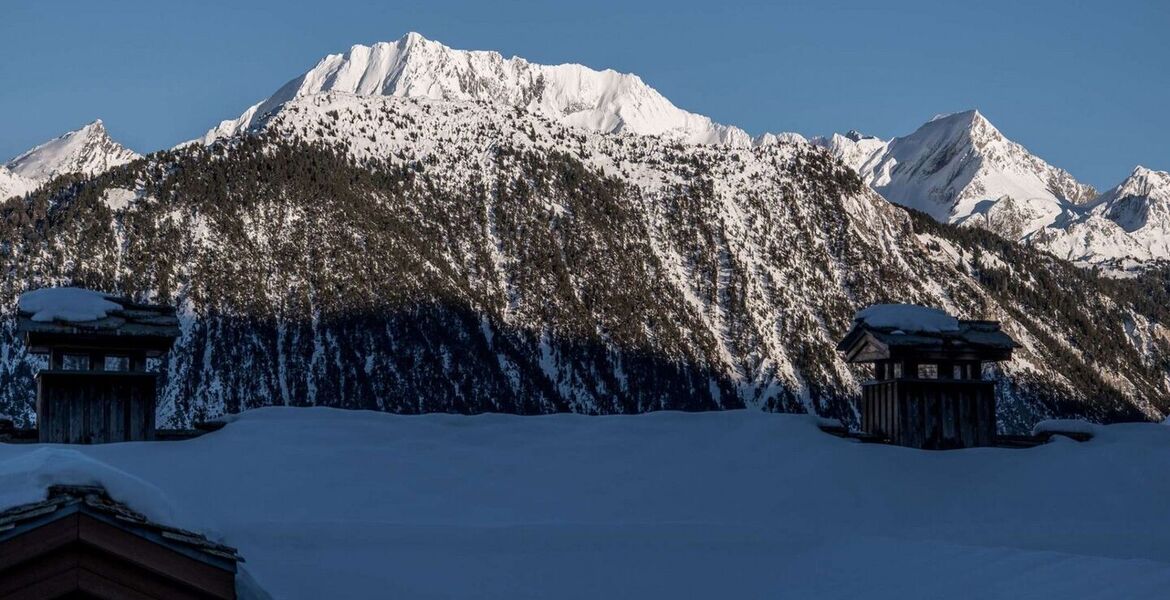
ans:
(410, 255)
(88, 150)
(415, 67)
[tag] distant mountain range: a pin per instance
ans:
(412, 228)
(958, 168)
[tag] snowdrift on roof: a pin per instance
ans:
(66, 304)
(26, 477)
(909, 318)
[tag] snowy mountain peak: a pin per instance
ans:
(1127, 225)
(857, 136)
(88, 150)
(957, 167)
(786, 137)
(1141, 201)
(966, 124)
(1144, 181)
(413, 37)
(1143, 187)
(970, 116)
(857, 150)
(969, 126)
(415, 67)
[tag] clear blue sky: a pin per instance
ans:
(1085, 86)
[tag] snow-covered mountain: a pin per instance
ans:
(418, 255)
(571, 94)
(1140, 202)
(88, 151)
(855, 149)
(381, 234)
(1127, 224)
(959, 168)
(12, 184)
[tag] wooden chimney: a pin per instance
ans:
(97, 388)
(928, 389)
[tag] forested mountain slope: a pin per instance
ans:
(413, 255)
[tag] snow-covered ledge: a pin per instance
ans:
(1072, 428)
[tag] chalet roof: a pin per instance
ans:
(120, 322)
(64, 500)
(976, 340)
(131, 318)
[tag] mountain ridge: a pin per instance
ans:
(88, 150)
(1127, 225)
(955, 164)
(413, 66)
(957, 167)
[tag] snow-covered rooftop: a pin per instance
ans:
(75, 310)
(909, 318)
(332, 504)
(66, 304)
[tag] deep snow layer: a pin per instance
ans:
(739, 504)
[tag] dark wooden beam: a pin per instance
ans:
(80, 552)
(39, 541)
(155, 557)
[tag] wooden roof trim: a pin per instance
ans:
(93, 500)
(861, 343)
(159, 322)
(975, 340)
